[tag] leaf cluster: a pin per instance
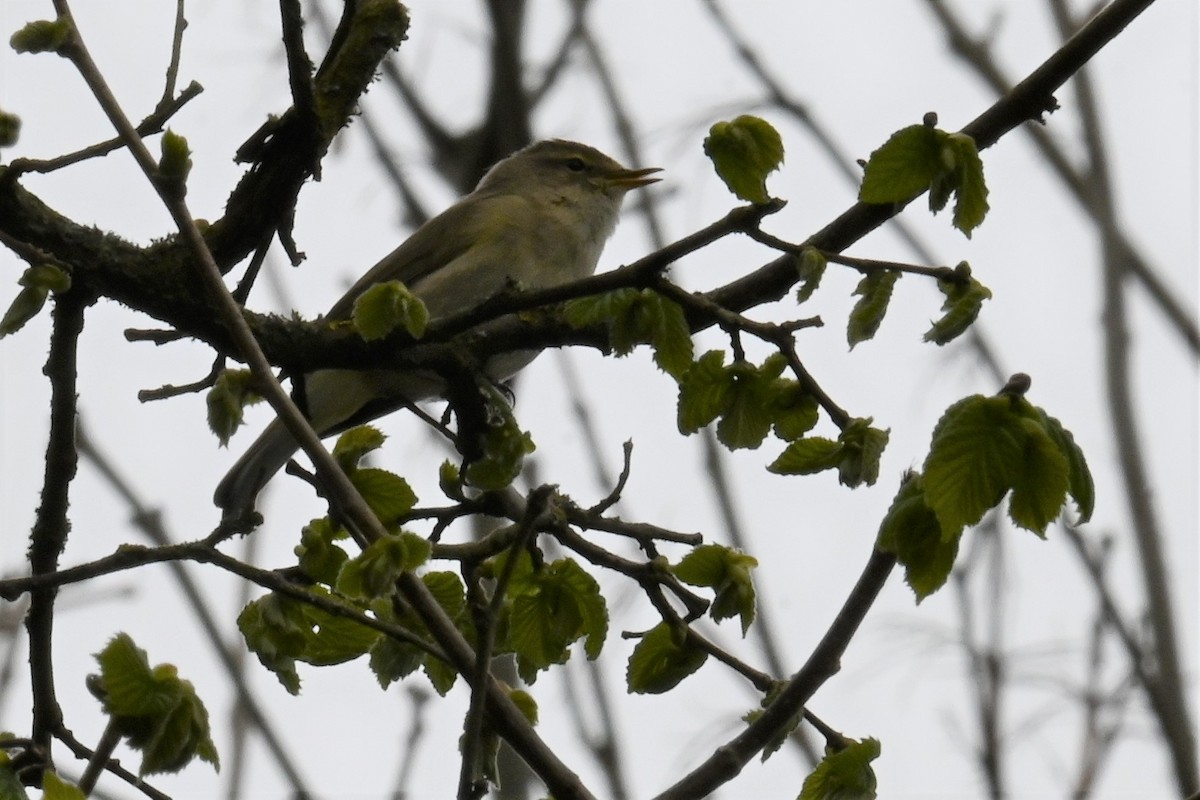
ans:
(155, 710)
(922, 158)
(983, 449)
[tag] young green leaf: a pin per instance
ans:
(855, 454)
(867, 314)
(922, 158)
(703, 392)
(319, 558)
(746, 419)
(1039, 487)
(24, 307)
(807, 457)
(744, 152)
(910, 530)
(727, 572)
(158, 712)
(1080, 487)
(46, 276)
(633, 317)
(811, 268)
(978, 446)
(42, 36)
(388, 495)
(846, 774)
(355, 443)
(55, 788)
(964, 300)
(985, 446)
(862, 447)
(504, 447)
(661, 660)
(10, 129)
(227, 401)
(38, 282)
(795, 410)
(386, 306)
(903, 167)
(551, 609)
(970, 205)
(526, 703)
(374, 571)
(273, 627)
(176, 161)
(281, 631)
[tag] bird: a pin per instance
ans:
(538, 218)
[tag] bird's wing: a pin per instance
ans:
(440, 241)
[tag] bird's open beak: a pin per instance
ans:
(631, 178)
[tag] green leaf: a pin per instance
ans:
(331, 639)
(744, 152)
(355, 443)
(795, 411)
(24, 307)
(11, 787)
(727, 572)
(46, 276)
(388, 495)
(964, 300)
(746, 419)
(373, 572)
(392, 660)
(447, 589)
(525, 702)
(131, 688)
(978, 447)
(55, 788)
(845, 775)
(971, 205)
(504, 447)
(42, 36)
(904, 166)
(807, 457)
(910, 530)
(273, 627)
(319, 557)
(661, 660)
(748, 399)
(10, 132)
(1080, 487)
(227, 401)
(176, 160)
(922, 158)
(811, 268)
(670, 337)
(386, 306)
(632, 317)
(1039, 486)
(703, 392)
(551, 609)
(861, 448)
(868, 312)
(153, 708)
(38, 282)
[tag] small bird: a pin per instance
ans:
(538, 218)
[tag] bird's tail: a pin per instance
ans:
(238, 490)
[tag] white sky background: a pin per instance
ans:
(864, 69)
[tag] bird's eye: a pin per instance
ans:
(576, 164)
